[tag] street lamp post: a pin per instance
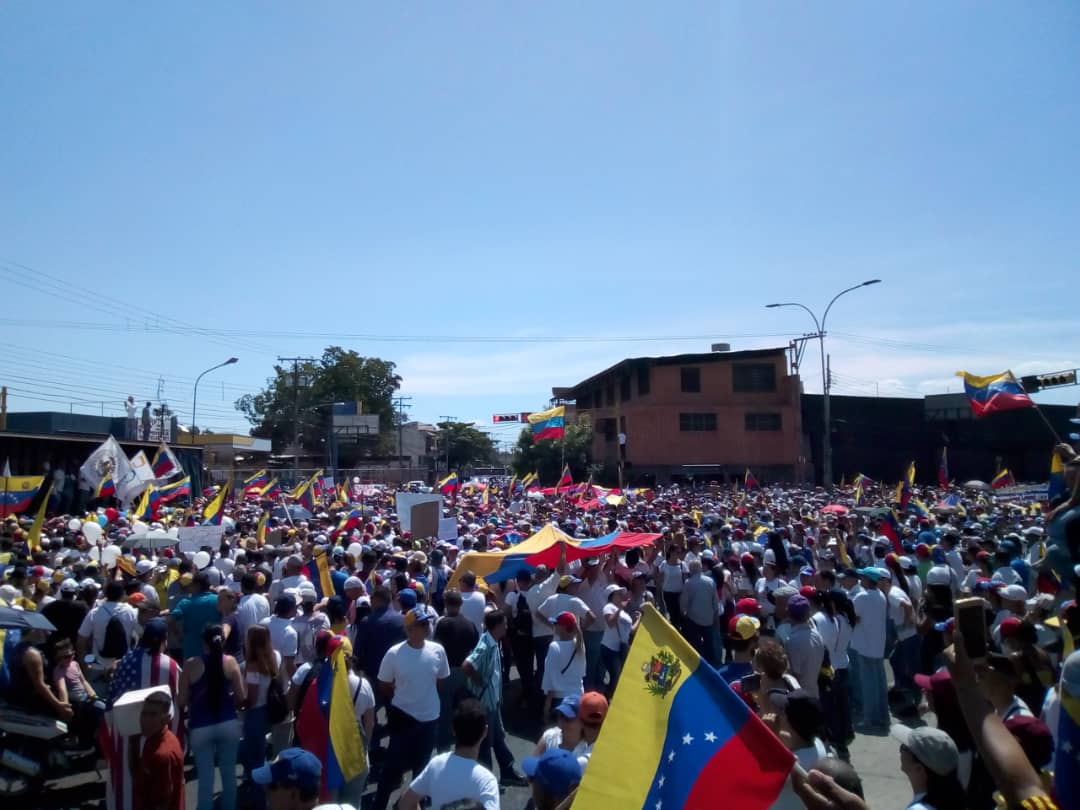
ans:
(826, 441)
(195, 394)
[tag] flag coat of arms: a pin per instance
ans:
(677, 736)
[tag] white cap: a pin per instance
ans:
(144, 567)
(939, 575)
(69, 586)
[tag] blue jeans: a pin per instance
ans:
(448, 689)
(905, 662)
(218, 744)
(253, 746)
(593, 672)
(496, 739)
(854, 686)
(874, 692)
(411, 745)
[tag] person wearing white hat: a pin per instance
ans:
(144, 573)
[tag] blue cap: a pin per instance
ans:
(937, 555)
(872, 574)
(557, 771)
(569, 706)
(294, 767)
(407, 598)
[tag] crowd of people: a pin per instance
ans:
(802, 600)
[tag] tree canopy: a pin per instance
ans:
(546, 456)
(464, 444)
(340, 375)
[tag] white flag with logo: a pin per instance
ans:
(107, 460)
(139, 477)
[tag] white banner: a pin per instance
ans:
(108, 459)
(448, 529)
(139, 477)
(193, 538)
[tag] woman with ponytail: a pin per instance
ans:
(212, 691)
(564, 667)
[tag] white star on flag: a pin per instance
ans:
(710, 736)
(671, 757)
(687, 739)
(661, 782)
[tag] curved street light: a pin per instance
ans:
(826, 453)
(195, 395)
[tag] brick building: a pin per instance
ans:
(710, 416)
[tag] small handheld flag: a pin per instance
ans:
(749, 481)
(566, 479)
(1003, 479)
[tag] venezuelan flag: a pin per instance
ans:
(890, 527)
(144, 510)
(106, 488)
(529, 480)
(257, 481)
(215, 510)
(326, 723)
(677, 736)
(549, 424)
(863, 480)
(1056, 488)
(33, 538)
(1066, 774)
(18, 493)
(998, 392)
(749, 481)
(271, 490)
(318, 571)
(1003, 479)
(177, 489)
(919, 508)
(943, 470)
(449, 484)
(566, 479)
(307, 497)
(858, 494)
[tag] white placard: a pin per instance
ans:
(192, 538)
(448, 529)
(407, 500)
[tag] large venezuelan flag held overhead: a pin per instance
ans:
(676, 736)
(549, 424)
(998, 392)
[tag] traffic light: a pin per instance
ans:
(1037, 382)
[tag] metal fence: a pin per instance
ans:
(290, 478)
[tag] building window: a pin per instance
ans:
(763, 421)
(610, 395)
(753, 377)
(624, 389)
(697, 421)
(691, 380)
(643, 381)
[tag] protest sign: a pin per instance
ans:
(192, 538)
(405, 501)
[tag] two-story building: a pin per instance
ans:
(709, 415)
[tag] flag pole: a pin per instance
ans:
(1050, 427)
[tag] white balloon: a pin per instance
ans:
(174, 532)
(202, 559)
(355, 549)
(228, 522)
(91, 531)
(139, 529)
(75, 524)
(110, 555)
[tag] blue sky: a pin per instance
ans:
(201, 180)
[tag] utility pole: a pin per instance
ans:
(296, 361)
(399, 403)
(447, 420)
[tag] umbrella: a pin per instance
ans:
(24, 619)
(873, 511)
(295, 512)
(835, 509)
(976, 484)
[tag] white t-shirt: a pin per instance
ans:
(94, 624)
(672, 576)
(868, 636)
(415, 673)
(449, 778)
(897, 600)
(279, 586)
(558, 682)
(283, 636)
(260, 682)
(472, 608)
(594, 595)
(561, 603)
(535, 596)
(836, 635)
(619, 634)
(252, 609)
(553, 739)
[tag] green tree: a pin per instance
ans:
(464, 444)
(546, 457)
(301, 399)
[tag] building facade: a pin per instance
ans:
(708, 416)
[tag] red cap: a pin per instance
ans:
(748, 606)
(922, 550)
(593, 708)
(808, 591)
(747, 557)
(983, 555)
(566, 620)
(1010, 627)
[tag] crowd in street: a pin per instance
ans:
(808, 604)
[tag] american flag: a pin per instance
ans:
(139, 669)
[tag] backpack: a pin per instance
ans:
(277, 707)
(115, 643)
(523, 617)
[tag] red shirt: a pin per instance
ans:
(159, 774)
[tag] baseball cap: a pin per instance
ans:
(807, 592)
(613, 588)
(407, 598)
(593, 708)
(1034, 737)
(939, 575)
(1014, 593)
(931, 746)
(798, 607)
(566, 620)
(144, 567)
(565, 581)
(748, 606)
(417, 614)
(592, 562)
(556, 771)
(1010, 627)
(294, 767)
(872, 574)
(353, 583)
(569, 706)
(69, 586)
(743, 627)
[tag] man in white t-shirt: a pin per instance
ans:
(253, 608)
(866, 666)
(472, 601)
(456, 775)
(284, 640)
(409, 675)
